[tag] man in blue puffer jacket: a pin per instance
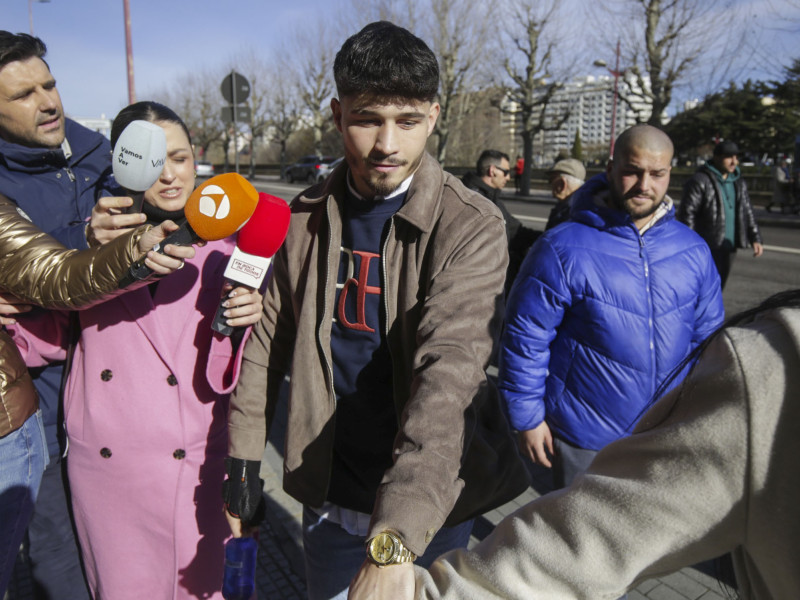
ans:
(603, 308)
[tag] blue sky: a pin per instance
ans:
(86, 43)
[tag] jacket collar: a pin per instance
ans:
(589, 207)
(474, 182)
(79, 142)
(732, 177)
(422, 201)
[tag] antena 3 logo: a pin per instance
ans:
(214, 203)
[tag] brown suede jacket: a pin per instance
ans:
(39, 270)
(444, 265)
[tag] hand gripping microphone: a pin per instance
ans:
(256, 243)
(138, 160)
(216, 209)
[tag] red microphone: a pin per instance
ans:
(256, 244)
(216, 209)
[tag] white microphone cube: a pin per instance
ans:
(247, 269)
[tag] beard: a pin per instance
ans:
(635, 210)
(383, 184)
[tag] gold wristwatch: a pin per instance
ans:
(387, 548)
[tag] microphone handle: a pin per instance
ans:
(138, 201)
(183, 236)
(219, 324)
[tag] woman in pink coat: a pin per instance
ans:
(146, 406)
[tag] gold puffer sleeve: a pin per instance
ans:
(39, 270)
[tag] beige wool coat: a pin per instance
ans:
(711, 468)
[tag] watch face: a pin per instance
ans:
(383, 548)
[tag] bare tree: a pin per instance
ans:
(256, 69)
(404, 13)
(283, 109)
(532, 85)
(662, 44)
(312, 60)
(196, 98)
(458, 33)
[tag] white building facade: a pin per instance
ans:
(590, 102)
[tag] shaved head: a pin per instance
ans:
(638, 174)
(643, 137)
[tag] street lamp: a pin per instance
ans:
(30, 11)
(616, 73)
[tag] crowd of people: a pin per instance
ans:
(671, 432)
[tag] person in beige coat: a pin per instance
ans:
(39, 270)
(710, 469)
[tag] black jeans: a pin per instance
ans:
(723, 260)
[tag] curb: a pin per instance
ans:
(762, 216)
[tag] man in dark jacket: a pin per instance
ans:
(53, 169)
(604, 307)
(715, 203)
(490, 177)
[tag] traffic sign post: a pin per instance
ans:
(233, 114)
(235, 89)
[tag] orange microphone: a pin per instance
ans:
(217, 208)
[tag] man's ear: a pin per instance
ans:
(432, 116)
(336, 109)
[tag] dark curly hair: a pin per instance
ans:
(388, 62)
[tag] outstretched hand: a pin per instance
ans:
(109, 221)
(392, 582)
(174, 255)
(10, 306)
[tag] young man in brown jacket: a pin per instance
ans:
(385, 305)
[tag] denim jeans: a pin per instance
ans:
(23, 457)
(333, 556)
(54, 558)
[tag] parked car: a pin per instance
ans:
(203, 168)
(307, 168)
(326, 170)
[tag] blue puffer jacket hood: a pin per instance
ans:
(599, 316)
(55, 191)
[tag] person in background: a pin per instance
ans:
(146, 403)
(39, 270)
(782, 196)
(489, 178)
(54, 170)
(603, 308)
(385, 304)
(566, 176)
(716, 204)
(711, 468)
(519, 167)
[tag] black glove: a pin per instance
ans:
(242, 492)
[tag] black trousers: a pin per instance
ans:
(723, 260)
